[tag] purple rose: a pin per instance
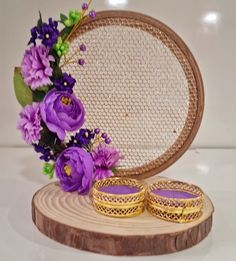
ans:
(36, 68)
(105, 158)
(61, 112)
(29, 123)
(74, 168)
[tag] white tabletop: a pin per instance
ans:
(213, 170)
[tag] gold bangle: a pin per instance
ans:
(118, 205)
(180, 210)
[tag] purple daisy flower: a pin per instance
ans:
(65, 83)
(30, 123)
(36, 69)
(49, 33)
(46, 153)
(104, 158)
(82, 138)
(34, 36)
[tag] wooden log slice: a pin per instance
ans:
(71, 220)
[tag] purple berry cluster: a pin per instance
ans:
(104, 136)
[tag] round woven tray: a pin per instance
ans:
(141, 84)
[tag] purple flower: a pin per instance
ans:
(30, 123)
(74, 168)
(65, 83)
(36, 68)
(82, 138)
(34, 36)
(49, 33)
(104, 158)
(46, 153)
(61, 112)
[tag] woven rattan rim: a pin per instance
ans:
(191, 70)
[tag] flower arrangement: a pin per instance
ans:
(51, 110)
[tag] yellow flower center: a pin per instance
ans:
(65, 83)
(67, 170)
(65, 100)
(47, 36)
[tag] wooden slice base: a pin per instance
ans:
(71, 220)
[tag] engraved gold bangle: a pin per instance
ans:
(179, 210)
(118, 205)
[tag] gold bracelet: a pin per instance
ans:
(118, 205)
(180, 210)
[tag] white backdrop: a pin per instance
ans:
(207, 27)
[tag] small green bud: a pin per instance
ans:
(72, 15)
(75, 16)
(59, 41)
(57, 46)
(48, 169)
(65, 52)
(68, 23)
(59, 53)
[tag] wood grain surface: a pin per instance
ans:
(71, 220)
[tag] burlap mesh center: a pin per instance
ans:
(138, 86)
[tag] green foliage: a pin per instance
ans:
(57, 72)
(65, 32)
(63, 18)
(24, 94)
(39, 94)
(114, 170)
(50, 139)
(40, 21)
(61, 47)
(48, 170)
(75, 16)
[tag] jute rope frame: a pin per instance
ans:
(172, 42)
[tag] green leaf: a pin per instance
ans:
(57, 72)
(65, 32)
(38, 95)
(44, 88)
(114, 170)
(40, 21)
(24, 94)
(50, 139)
(63, 18)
